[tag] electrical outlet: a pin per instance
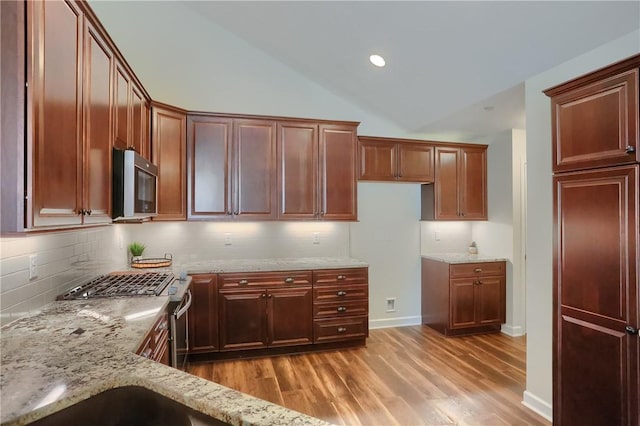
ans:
(227, 239)
(33, 267)
(436, 235)
(316, 238)
(391, 304)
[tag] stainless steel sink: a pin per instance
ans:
(129, 406)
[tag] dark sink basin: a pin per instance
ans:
(129, 406)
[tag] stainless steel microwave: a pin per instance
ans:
(134, 187)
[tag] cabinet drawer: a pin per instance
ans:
(340, 309)
(336, 293)
(477, 269)
(264, 279)
(327, 330)
(340, 276)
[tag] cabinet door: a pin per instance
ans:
(122, 101)
(447, 183)
(97, 127)
(337, 160)
(473, 184)
(203, 314)
(169, 154)
(490, 300)
(596, 124)
(56, 96)
(463, 303)
(378, 160)
(139, 122)
(254, 169)
(242, 319)
(290, 316)
(596, 297)
(415, 162)
(209, 146)
(297, 170)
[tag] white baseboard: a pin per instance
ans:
(395, 322)
(512, 330)
(537, 405)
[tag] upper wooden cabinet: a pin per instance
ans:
(69, 99)
(170, 155)
(337, 172)
(595, 119)
(231, 168)
(131, 114)
(460, 188)
(316, 171)
(384, 159)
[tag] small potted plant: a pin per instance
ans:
(136, 250)
(473, 249)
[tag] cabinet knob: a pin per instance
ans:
(289, 280)
(322, 213)
(89, 212)
(263, 295)
(477, 270)
(229, 212)
(630, 149)
(236, 213)
(631, 330)
(270, 295)
(243, 282)
(341, 293)
(342, 277)
(342, 309)
(342, 329)
(477, 282)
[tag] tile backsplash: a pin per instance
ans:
(193, 241)
(62, 260)
(65, 259)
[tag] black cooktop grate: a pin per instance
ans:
(121, 284)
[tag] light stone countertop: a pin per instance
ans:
(275, 264)
(463, 258)
(72, 350)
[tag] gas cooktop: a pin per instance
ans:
(118, 284)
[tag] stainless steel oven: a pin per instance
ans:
(180, 332)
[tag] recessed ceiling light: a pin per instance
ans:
(377, 60)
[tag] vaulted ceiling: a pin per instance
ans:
(453, 67)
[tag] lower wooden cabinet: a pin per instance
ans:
(203, 314)
(463, 298)
(155, 345)
(340, 304)
(259, 310)
(262, 310)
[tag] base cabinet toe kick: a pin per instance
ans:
(237, 315)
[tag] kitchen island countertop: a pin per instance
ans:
(463, 258)
(72, 350)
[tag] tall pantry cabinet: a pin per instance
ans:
(595, 163)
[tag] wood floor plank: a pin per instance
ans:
(404, 376)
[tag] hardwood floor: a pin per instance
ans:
(405, 376)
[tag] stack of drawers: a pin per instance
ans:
(155, 345)
(340, 304)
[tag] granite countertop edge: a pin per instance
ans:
(57, 346)
(463, 258)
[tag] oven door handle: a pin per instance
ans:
(181, 311)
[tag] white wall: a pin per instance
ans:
(539, 276)
(387, 236)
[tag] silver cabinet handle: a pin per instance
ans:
(289, 280)
(341, 293)
(243, 282)
(630, 149)
(342, 329)
(342, 277)
(477, 270)
(342, 309)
